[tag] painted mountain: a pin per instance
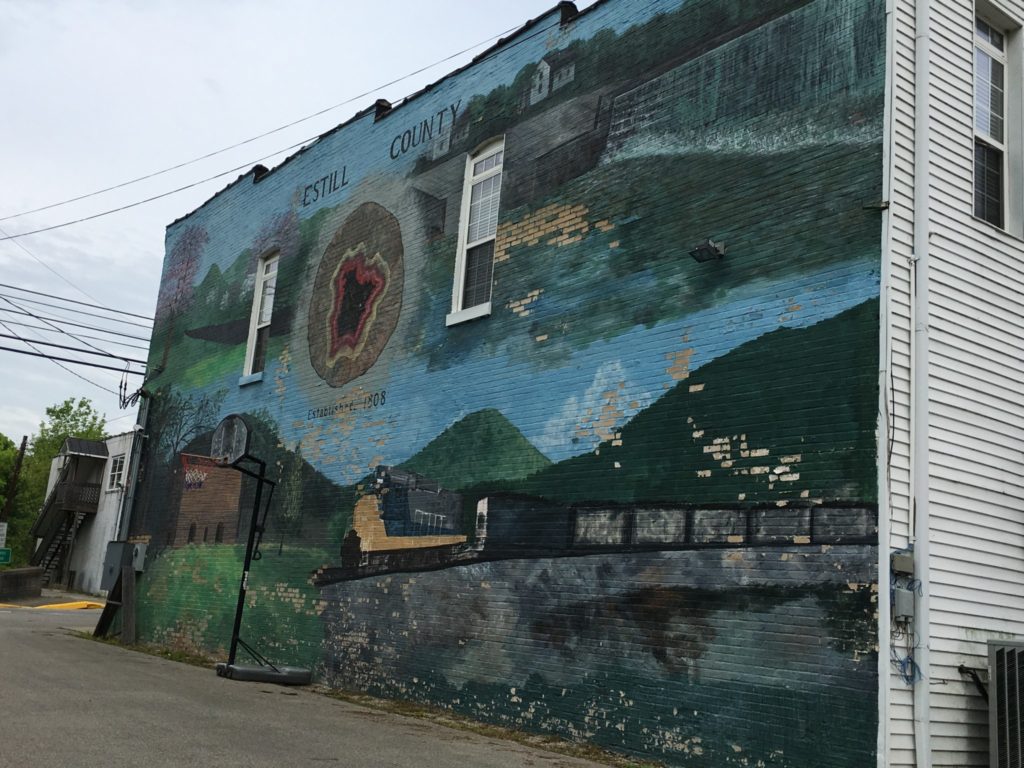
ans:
(481, 448)
(733, 431)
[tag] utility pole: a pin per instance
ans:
(12, 489)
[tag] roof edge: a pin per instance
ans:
(381, 108)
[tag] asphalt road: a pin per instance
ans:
(68, 701)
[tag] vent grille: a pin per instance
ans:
(1006, 691)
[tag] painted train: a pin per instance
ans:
(512, 526)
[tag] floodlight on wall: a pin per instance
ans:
(709, 250)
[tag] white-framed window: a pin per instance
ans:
(262, 311)
(998, 124)
(478, 226)
(989, 122)
(116, 478)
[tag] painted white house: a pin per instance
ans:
(554, 71)
(951, 376)
(82, 511)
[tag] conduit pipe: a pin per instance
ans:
(886, 415)
(919, 378)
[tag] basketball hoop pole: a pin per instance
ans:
(250, 547)
(230, 444)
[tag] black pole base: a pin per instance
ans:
(252, 673)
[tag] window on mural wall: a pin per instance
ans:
(990, 126)
(478, 226)
(116, 479)
(262, 311)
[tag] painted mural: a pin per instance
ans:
(636, 503)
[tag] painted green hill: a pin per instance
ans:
(483, 447)
(789, 415)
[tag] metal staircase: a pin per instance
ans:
(58, 546)
(63, 511)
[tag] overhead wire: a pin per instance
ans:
(54, 360)
(76, 335)
(75, 301)
(69, 348)
(63, 321)
(120, 418)
(160, 196)
(244, 166)
(263, 135)
(18, 243)
(82, 312)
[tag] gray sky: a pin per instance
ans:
(98, 93)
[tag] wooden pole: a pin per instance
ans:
(128, 604)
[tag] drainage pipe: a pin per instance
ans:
(919, 378)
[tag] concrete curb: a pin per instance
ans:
(72, 606)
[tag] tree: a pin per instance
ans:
(8, 453)
(68, 419)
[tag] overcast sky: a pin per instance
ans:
(98, 93)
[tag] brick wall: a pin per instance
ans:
(638, 496)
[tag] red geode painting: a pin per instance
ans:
(357, 295)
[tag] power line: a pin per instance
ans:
(75, 336)
(54, 358)
(55, 327)
(63, 321)
(71, 309)
(271, 132)
(74, 301)
(31, 342)
(137, 203)
(244, 166)
(7, 235)
(120, 418)
(64, 367)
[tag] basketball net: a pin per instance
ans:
(197, 469)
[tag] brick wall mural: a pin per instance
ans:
(536, 463)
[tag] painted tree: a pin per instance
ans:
(175, 420)
(288, 515)
(177, 285)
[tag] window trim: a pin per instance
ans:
(1012, 145)
(250, 376)
(460, 314)
(118, 473)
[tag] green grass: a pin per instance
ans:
(215, 362)
(187, 602)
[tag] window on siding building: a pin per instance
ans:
(998, 118)
(262, 311)
(478, 226)
(116, 478)
(990, 127)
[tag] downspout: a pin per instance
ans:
(885, 419)
(128, 498)
(919, 380)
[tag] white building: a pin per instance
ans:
(951, 373)
(82, 511)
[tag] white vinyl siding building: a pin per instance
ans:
(951, 435)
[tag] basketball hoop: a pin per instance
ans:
(230, 448)
(230, 440)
